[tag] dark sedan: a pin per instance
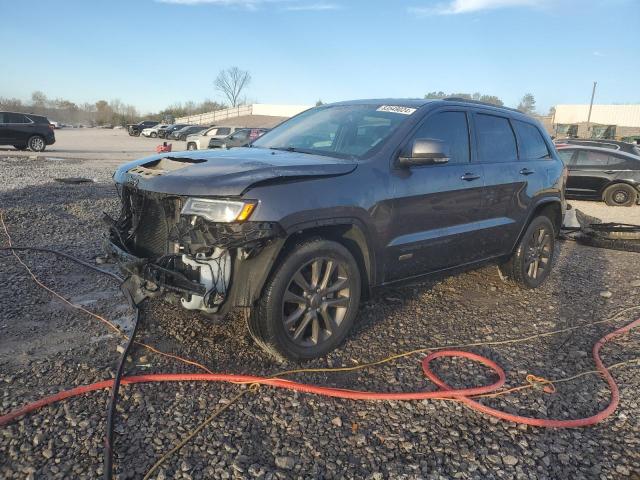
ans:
(183, 133)
(625, 147)
(239, 138)
(166, 132)
(595, 173)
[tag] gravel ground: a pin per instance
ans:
(46, 346)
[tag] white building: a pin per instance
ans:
(608, 121)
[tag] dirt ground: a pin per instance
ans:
(110, 146)
(46, 346)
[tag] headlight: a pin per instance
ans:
(218, 210)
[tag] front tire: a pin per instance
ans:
(309, 304)
(530, 265)
(36, 143)
(153, 135)
(620, 195)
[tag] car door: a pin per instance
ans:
(435, 207)
(4, 135)
(18, 128)
(238, 139)
(506, 195)
(589, 173)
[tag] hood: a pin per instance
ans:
(225, 172)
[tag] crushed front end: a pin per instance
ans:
(170, 246)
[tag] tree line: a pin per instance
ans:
(526, 105)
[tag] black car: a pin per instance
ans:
(337, 201)
(612, 176)
(239, 138)
(626, 147)
(136, 128)
(184, 132)
(25, 130)
(166, 132)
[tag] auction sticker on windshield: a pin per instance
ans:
(396, 109)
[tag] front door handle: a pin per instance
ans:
(469, 177)
(526, 171)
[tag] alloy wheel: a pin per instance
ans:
(620, 197)
(37, 144)
(316, 301)
(538, 253)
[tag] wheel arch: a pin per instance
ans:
(635, 186)
(552, 208)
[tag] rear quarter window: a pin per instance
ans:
(532, 144)
(496, 141)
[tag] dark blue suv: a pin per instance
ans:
(337, 201)
(25, 130)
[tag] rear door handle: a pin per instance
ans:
(526, 171)
(469, 177)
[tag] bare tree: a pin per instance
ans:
(231, 82)
(527, 104)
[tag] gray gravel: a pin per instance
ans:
(46, 346)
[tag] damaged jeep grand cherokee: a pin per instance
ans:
(307, 220)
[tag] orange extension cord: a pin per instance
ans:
(444, 393)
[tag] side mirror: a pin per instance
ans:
(425, 151)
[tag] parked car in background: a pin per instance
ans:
(594, 142)
(183, 133)
(240, 138)
(337, 201)
(604, 174)
(166, 132)
(200, 141)
(152, 132)
(135, 129)
(26, 131)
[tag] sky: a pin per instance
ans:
(151, 53)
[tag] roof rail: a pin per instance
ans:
(478, 102)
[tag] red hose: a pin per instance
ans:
(445, 392)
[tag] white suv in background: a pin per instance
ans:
(153, 131)
(200, 140)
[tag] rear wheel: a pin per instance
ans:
(309, 304)
(620, 195)
(36, 143)
(192, 146)
(531, 263)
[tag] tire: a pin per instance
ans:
(36, 143)
(191, 146)
(153, 135)
(620, 195)
(532, 261)
(20, 147)
(317, 326)
(136, 133)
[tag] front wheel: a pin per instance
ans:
(531, 263)
(310, 302)
(191, 146)
(620, 195)
(36, 144)
(153, 135)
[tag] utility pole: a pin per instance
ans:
(593, 94)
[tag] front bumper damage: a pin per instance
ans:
(187, 260)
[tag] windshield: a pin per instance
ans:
(345, 131)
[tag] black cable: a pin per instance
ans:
(113, 399)
(68, 257)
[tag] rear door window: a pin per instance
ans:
(496, 141)
(17, 118)
(589, 158)
(532, 144)
(452, 129)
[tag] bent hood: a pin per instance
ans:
(225, 172)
